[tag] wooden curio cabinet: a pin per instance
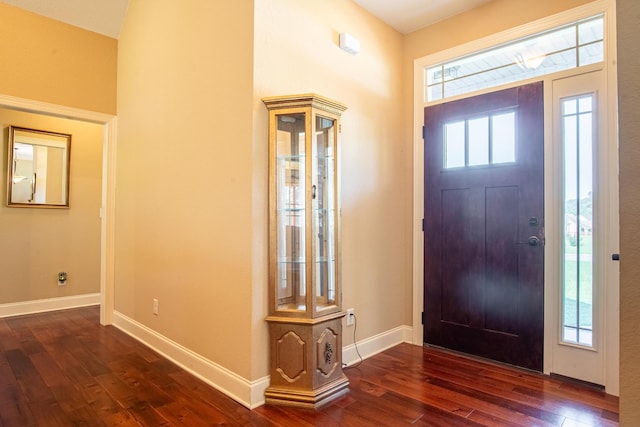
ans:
(305, 312)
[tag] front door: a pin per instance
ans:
(484, 226)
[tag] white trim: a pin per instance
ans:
(375, 344)
(562, 358)
(552, 229)
(39, 107)
(107, 224)
(585, 11)
(248, 393)
(418, 199)
(107, 213)
(49, 304)
(612, 295)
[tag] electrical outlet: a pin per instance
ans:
(155, 306)
(351, 317)
(62, 278)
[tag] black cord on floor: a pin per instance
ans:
(355, 343)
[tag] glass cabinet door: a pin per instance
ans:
(290, 211)
(304, 207)
(323, 194)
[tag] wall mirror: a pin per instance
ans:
(38, 168)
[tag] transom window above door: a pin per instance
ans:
(480, 140)
(569, 46)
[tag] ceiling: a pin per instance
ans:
(105, 16)
(101, 16)
(410, 15)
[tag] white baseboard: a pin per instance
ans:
(49, 304)
(248, 393)
(375, 344)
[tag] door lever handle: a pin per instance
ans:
(532, 241)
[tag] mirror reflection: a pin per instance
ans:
(38, 168)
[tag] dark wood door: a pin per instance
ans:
(484, 226)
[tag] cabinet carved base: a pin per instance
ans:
(306, 361)
(307, 399)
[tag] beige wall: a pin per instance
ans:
(628, 27)
(58, 63)
(487, 19)
(296, 51)
(183, 226)
(195, 237)
(37, 243)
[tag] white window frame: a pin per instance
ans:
(513, 46)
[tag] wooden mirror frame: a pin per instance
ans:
(45, 184)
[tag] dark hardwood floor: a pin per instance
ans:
(64, 369)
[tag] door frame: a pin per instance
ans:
(107, 208)
(611, 302)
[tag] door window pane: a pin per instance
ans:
(479, 141)
(454, 145)
(504, 138)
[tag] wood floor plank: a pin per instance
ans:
(410, 411)
(49, 413)
(448, 392)
(144, 413)
(182, 412)
(64, 369)
(522, 387)
(31, 384)
(15, 413)
(434, 397)
(103, 404)
(116, 388)
(121, 419)
(198, 389)
(48, 369)
(497, 391)
(194, 404)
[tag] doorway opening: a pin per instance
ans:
(109, 123)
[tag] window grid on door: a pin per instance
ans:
(480, 140)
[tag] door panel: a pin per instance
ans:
(455, 299)
(502, 232)
(483, 276)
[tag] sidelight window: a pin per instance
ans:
(578, 142)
